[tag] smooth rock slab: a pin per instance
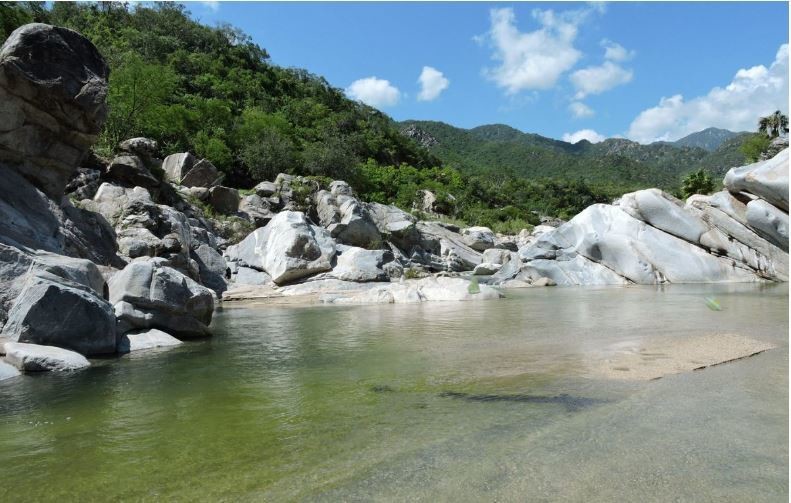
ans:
(766, 179)
(149, 339)
(35, 358)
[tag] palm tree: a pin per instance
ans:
(773, 125)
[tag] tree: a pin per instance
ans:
(697, 182)
(773, 125)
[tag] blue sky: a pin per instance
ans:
(646, 71)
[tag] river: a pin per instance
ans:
(465, 401)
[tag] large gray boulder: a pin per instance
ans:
(256, 209)
(37, 358)
(56, 312)
(766, 179)
(346, 218)
(288, 248)
(224, 199)
(148, 294)
(361, 265)
(769, 222)
(394, 225)
(479, 238)
(444, 249)
(211, 267)
(53, 85)
(129, 171)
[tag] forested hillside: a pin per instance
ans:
(613, 165)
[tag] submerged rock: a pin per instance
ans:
(36, 358)
(147, 339)
(7, 371)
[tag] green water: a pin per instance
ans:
(489, 401)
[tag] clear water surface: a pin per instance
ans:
(489, 401)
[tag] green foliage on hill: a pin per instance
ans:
(613, 165)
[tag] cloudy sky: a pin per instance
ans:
(644, 71)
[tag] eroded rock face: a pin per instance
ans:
(288, 248)
(650, 237)
(148, 294)
(53, 85)
(766, 179)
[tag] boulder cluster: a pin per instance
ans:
(107, 256)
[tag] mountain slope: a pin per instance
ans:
(708, 139)
(502, 151)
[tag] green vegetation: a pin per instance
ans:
(773, 125)
(611, 167)
(698, 182)
(769, 127)
(756, 145)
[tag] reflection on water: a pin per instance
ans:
(484, 401)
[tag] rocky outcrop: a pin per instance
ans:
(53, 84)
(149, 294)
(144, 228)
(766, 179)
(36, 358)
(650, 237)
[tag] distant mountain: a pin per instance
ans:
(501, 151)
(708, 139)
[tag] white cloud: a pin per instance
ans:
(753, 92)
(616, 52)
(432, 83)
(212, 5)
(580, 110)
(536, 59)
(597, 79)
(584, 134)
(374, 92)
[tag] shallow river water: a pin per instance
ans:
(487, 401)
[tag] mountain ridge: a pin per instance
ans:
(501, 150)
